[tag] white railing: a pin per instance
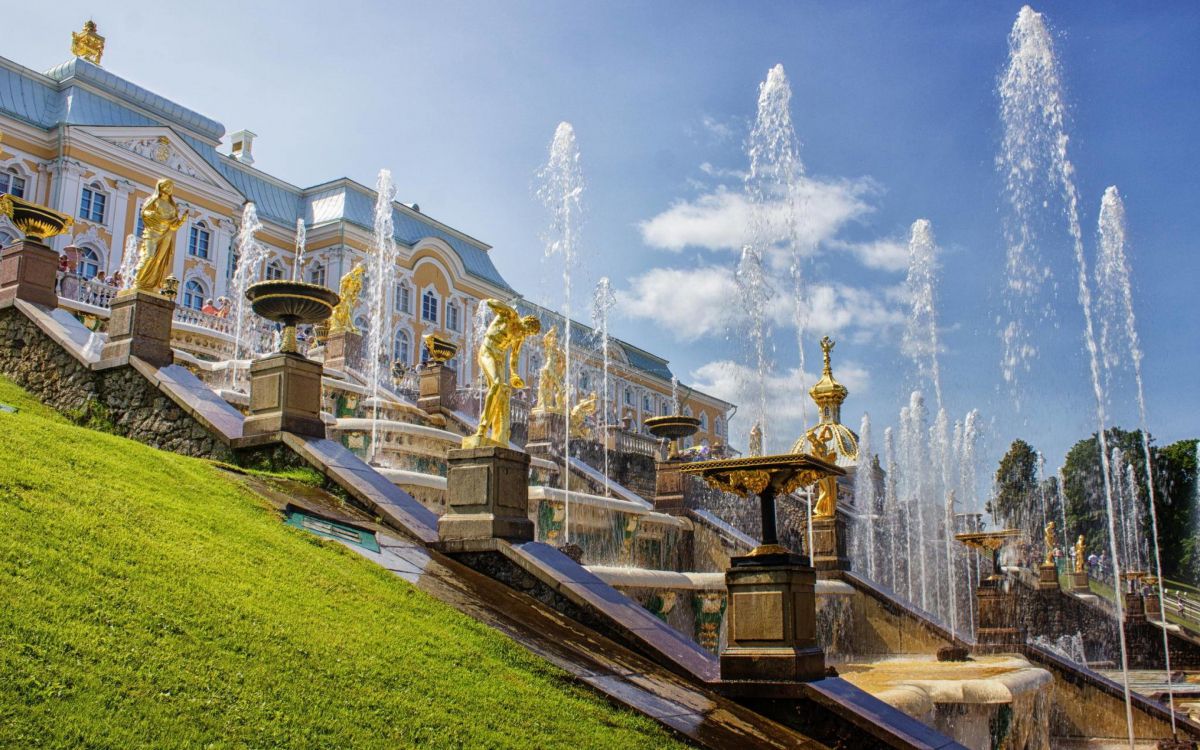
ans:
(75, 288)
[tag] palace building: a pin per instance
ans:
(89, 143)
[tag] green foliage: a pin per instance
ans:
(150, 601)
(1017, 497)
(94, 416)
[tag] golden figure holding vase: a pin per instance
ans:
(161, 219)
(1079, 553)
(499, 353)
(550, 377)
(342, 319)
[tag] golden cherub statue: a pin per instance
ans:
(342, 319)
(550, 377)
(579, 413)
(827, 487)
(1079, 553)
(87, 43)
(161, 219)
(499, 353)
(1048, 539)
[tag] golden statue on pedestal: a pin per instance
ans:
(580, 412)
(1079, 553)
(87, 43)
(499, 353)
(550, 377)
(342, 319)
(161, 219)
(1048, 539)
(827, 487)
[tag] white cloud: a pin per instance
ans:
(721, 131)
(884, 254)
(788, 404)
(721, 220)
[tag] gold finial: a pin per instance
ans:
(827, 345)
(87, 43)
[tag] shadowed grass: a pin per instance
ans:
(148, 601)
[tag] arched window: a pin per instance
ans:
(12, 183)
(274, 270)
(703, 422)
(629, 397)
(231, 266)
(193, 294)
(452, 316)
(429, 306)
(719, 426)
(361, 324)
(403, 298)
(198, 239)
(646, 404)
(584, 381)
(89, 262)
(92, 203)
(316, 274)
(402, 348)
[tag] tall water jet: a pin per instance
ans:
(301, 241)
(864, 496)
(251, 255)
(561, 191)
(921, 333)
(891, 505)
(1035, 149)
(381, 273)
(1119, 326)
(602, 304)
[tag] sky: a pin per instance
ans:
(896, 109)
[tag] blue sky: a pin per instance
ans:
(894, 104)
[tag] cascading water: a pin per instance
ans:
(480, 321)
(381, 273)
(251, 255)
(602, 303)
(301, 241)
(561, 191)
(864, 501)
(891, 507)
(921, 333)
(1034, 151)
(129, 262)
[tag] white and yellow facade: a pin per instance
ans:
(91, 144)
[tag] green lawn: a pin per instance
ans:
(148, 601)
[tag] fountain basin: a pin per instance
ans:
(672, 426)
(36, 221)
(291, 303)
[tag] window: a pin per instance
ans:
(361, 324)
(231, 266)
(193, 294)
(316, 275)
(403, 298)
(452, 316)
(89, 262)
(629, 397)
(12, 183)
(646, 404)
(274, 270)
(429, 306)
(140, 225)
(6, 239)
(703, 422)
(198, 240)
(402, 348)
(91, 204)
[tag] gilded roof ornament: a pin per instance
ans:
(87, 43)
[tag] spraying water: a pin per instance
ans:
(891, 506)
(602, 303)
(129, 262)
(381, 273)
(864, 494)
(251, 255)
(561, 191)
(921, 333)
(301, 240)
(1035, 149)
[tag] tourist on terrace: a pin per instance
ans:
(223, 309)
(208, 308)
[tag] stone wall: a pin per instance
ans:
(631, 470)
(118, 400)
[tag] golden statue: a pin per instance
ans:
(755, 448)
(342, 319)
(550, 377)
(498, 355)
(1079, 553)
(827, 487)
(161, 219)
(87, 43)
(1048, 539)
(828, 394)
(580, 412)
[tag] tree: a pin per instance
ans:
(1175, 478)
(1017, 496)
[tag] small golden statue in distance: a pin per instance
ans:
(87, 43)
(550, 377)
(499, 353)
(827, 488)
(1048, 539)
(342, 319)
(161, 219)
(755, 448)
(1079, 553)
(579, 414)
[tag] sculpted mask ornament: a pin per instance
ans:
(342, 319)
(499, 353)
(161, 219)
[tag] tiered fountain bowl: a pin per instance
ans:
(440, 350)
(291, 303)
(36, 221)
(991, 542)
(674, 427)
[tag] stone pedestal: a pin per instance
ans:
(772, 615)
(28, 271)
(1079, 583)
(1135, 607)
(344, 350)
(487, 493)
(285, 396)
(1047, 577)
(998, 630)
(140, 326)
(829, 545)
(437, 387)
(668, 488)
(546, 430)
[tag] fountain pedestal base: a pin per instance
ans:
(437, 387)
(343, 350)
(1047, 577)
(1079, 583)
(546, 430)
(140, 326)
(772, 623)
(28, 271)
(1135, 607)
(997, 631)
(668, 488)
(829, 545)
(285, 396)
(487, 492)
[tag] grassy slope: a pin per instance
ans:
(145, 600)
